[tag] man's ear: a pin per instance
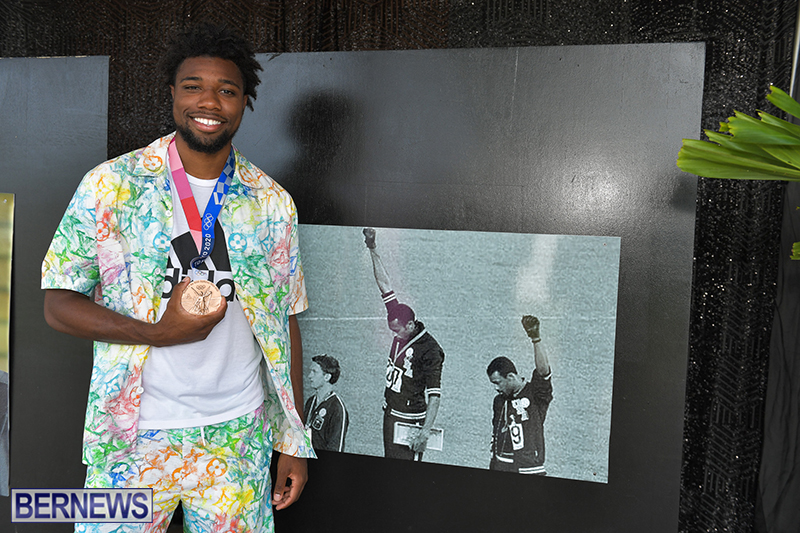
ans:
(245, 103)
(172, 91)
(326, 377)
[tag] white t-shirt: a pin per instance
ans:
(209, 381)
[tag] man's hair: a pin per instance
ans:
(209, 40)
(400, 312)
(501, 365)
(329, 365)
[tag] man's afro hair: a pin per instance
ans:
(209, 40)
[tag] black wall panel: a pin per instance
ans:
(42, 160)
(506, 140)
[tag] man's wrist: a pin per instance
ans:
(150, 334)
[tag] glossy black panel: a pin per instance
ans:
(55, 131)
(567, 140)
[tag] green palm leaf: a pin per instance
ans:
(747, 148)
(783, 101)
(714, 161)
(747, 129)
(794, 129)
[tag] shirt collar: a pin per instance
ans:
(151, 161)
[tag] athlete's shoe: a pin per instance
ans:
(531, 325)
(369, 237)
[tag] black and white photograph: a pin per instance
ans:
(474, 349)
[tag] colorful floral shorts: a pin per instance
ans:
(219, 473)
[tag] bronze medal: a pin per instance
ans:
(201, 297)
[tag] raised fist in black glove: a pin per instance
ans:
(531, 325)
(369, 237)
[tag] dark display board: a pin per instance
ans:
(566, 140)
(55, 131)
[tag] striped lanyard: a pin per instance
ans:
(202, 230)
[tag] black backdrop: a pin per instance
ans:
(737, 244)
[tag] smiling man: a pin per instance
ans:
(180, 260)
(413, 372)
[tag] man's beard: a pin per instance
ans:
(194, 143)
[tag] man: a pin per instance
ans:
(326, 414)
(520, 408)
(413, 372)
(190, 405)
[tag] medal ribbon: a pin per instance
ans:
(202, 230)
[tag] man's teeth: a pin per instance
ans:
(208, 121)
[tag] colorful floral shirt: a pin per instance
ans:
(113, 243)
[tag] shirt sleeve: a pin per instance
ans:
(71, 261)
(298, 297)
(497, 407)
(432, 361)
(390, 300)
(336, 426)
(542, 392)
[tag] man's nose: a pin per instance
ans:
(209, 99)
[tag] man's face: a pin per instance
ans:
(316, 377)
(208, 102)
(507, 386)
(402, 331)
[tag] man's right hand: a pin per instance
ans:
(369, 237)
(178, 326)
(75, 314)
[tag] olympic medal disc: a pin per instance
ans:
(201, 297)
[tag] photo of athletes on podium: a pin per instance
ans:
(440, 393)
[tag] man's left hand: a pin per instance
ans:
(420, 440)
(290, 480)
